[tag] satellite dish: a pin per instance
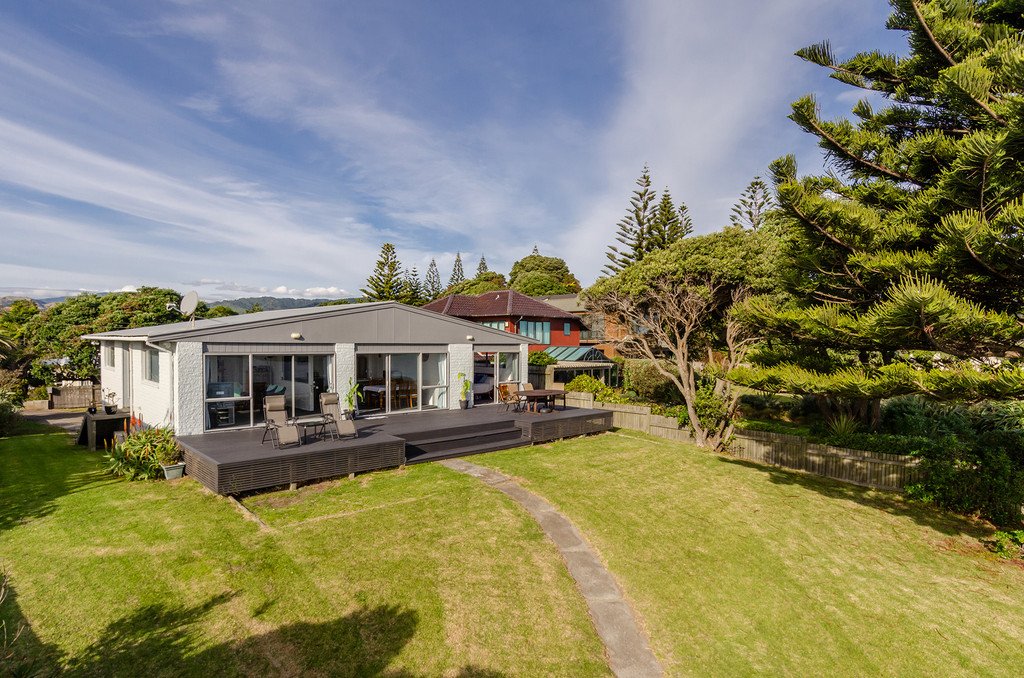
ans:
(189, 302)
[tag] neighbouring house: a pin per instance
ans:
(515, 312)
(602, 332)
(213, 374)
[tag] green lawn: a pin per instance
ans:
(736, 570)
(739, 569)
(421, 572)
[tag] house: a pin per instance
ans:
(213, 374)
(515, 312)
(602, 332)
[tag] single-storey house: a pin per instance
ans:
(213, 374)
(515, 312)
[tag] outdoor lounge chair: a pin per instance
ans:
(275, 416)
(283, 436)
(334, 424)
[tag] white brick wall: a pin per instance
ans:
(344, 367)
(189, 384)
(460, 359)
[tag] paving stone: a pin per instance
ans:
(534, 504)
(560, 530)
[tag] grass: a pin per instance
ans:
(739, 569)
(421, 572)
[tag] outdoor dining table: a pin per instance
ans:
(533, 396)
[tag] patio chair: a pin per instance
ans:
(274, 416)
(506, 398)
(283, 436)
(334, 424)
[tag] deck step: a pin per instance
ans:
(466, 451)
(458, 432)
(463, 441)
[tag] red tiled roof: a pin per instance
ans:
(503, 303)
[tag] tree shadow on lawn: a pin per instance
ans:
(52, 469)
(160, 640)
(888, 501)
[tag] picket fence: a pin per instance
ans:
(870, 469)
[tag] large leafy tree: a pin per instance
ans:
(55, 333)
(387, 281)
(676, 302)
(536, 274)
(909, 253)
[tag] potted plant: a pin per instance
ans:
(109, 402)
(467, 391)
(352, 395)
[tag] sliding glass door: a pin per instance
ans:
(397, 382)
(236, 386)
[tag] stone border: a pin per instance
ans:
(629, 652)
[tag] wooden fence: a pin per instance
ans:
(870, 469)
(73, 397)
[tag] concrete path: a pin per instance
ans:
(629, 653)
(69, 421)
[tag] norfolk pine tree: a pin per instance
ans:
(432, 284)
(386, 283)
(457, 273)
(912, 246)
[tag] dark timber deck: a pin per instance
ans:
(234, 461)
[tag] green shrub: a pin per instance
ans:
(541, 358)
(914, 416)
(585, 383)
(643, 377)
(1008, 545)
(984, 476)
(9, 418)
(677, 411)
(38, 393)
(140, 455)
(772, 426)
(997, 416)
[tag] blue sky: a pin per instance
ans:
(262, 147)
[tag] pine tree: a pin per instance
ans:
(386, 283)
(913, 245)
(634, 229)
(668, 224)
(412, 293)
(457, 273)
(481, 268)
(754, 206)
(432, 286)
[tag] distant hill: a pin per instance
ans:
(7, 302)
(243, 304)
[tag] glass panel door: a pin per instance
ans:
(404, 381)
(228, 396)
(506, 367)
(434, 378)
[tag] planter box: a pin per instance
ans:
(173, 471)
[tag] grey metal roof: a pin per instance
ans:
(381, 322)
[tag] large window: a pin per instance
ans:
(151, 368)
(391, 382)
(236, 386)
(539, 330)
(496, 324)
